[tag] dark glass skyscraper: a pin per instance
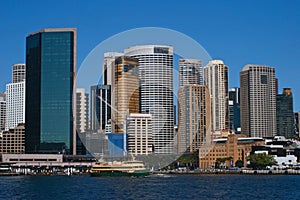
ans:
(50, 88)
(285, 114)
(234, 110)
(100, 98)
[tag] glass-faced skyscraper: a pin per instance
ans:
(156, 91)
(125, 92)
(285, 114)
(50, 89)
(234, 110)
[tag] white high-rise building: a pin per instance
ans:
(216, 79)
(82, 102)
(258, 101)
(15, 97)
(156, 92)
(190, 72)
(15, 104)
(2, 111)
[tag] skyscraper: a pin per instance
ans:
(297, 123)
(50, 91)
(82, 108)
(234, 110)
(100, 110)
(18, 73)
(15, 97)
(156, 91)
(258, 101)
(193, 117)
(2, 111)
(108, 63)
(125, 91)
(216, 79)
(285, 114)
(190, 72)
(15, 104)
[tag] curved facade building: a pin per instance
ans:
(156, 91)
(18, 73)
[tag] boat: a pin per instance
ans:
(132, 168)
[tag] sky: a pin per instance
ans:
(238, 32)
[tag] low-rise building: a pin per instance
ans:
(285, 156)
(235, 147)
(13, 141)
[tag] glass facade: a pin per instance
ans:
(49, 116)
(285, 114)
(100, 98)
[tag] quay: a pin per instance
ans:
(229, 172)
(44, 164)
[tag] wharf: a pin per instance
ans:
(229, 172)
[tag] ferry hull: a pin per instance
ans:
(140, 173)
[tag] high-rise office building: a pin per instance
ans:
(125, 91)
(234, 110)
(50, 91)
(216, 79)
(297, 123)
(15, 104)
(285, 114)
(2, 111)
(258, 101)
(15, 97)
(108, 63)
(190, 72)
(193, 117)
(82, 108)
(100, 110)
(156, 92)
(139, 130)
(18, 73)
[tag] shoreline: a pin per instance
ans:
(208, 172)
(233, 172)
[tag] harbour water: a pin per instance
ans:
(152, 187)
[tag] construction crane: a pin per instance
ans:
(124, 126)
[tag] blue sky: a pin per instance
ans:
(238, 32)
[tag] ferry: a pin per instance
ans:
(132, 168)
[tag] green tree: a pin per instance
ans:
(239, 163)
(261, 160)
(221, 161)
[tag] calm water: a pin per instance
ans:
(171, 187)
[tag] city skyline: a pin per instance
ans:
(257, 38)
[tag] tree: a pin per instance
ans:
(239, 163)
(261, 160)
(220, 161)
